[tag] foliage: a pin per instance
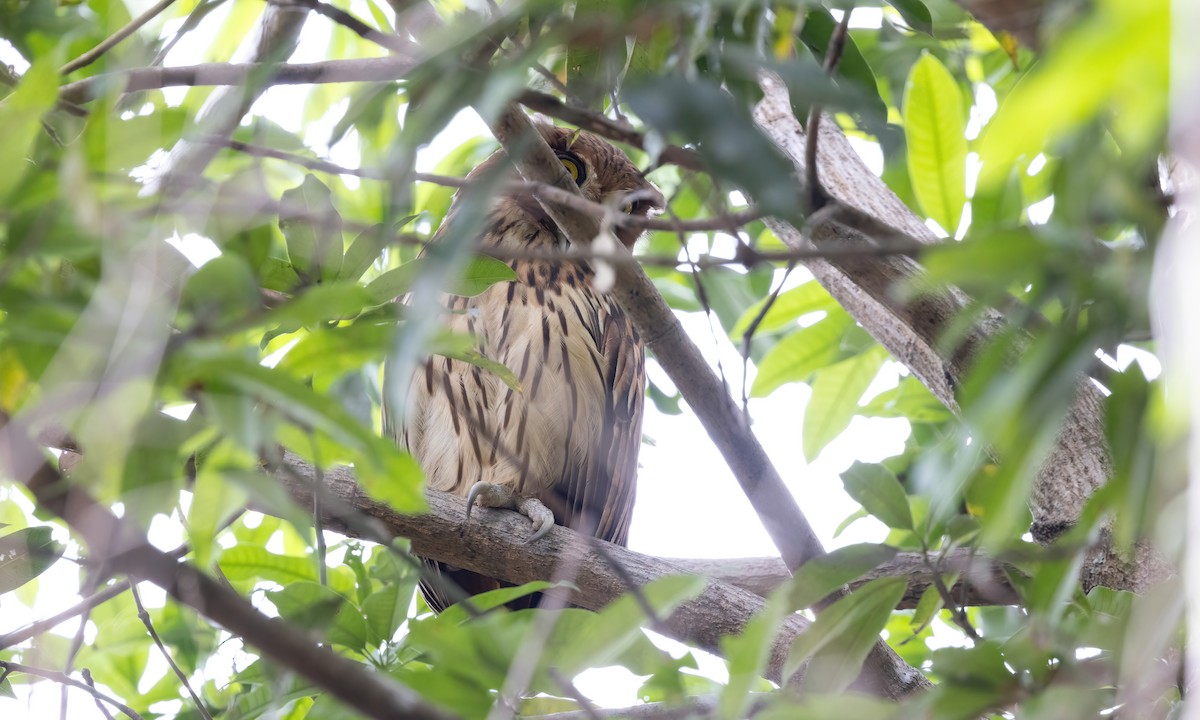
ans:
(178, 338)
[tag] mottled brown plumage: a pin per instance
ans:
(570, 438)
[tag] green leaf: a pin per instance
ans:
(481, 273)
(1117, 56)
(820, 577)
(245, 562)
(313, 230)
(937, 144)
(223, 291)
(20, 121)
(601, 637)
(305, 603)
(834, 402)
(25, 554)
(367, 247)
(747, 655)
(800, 354)
(930, 604)
(880, 493)
(842, 635)
(387, 608)
(788, 306)
(911, 400)
(330, 301)
(915, 14)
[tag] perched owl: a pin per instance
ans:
(565, 447)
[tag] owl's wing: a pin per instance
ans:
(596, 494)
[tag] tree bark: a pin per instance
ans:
(912, 329)
(494, 544)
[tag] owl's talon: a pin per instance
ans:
(500, 496)
(539, 514)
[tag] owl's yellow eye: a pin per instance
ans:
(574, 166)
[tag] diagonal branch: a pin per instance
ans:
(913, 328)
(126, 550)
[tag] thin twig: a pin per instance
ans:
(388, 41)
(145, 618)
(87, 678)
(68, 681)
(817, 197)
(568, 687)
(111, 41)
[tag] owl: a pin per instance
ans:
(564, 447)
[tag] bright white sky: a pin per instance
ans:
(689, 504)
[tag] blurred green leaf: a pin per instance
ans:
(914, 13)
(25, 554)
(313, 229)
(822, 576)
(843, 633)
(20, 121)
(1117, 56)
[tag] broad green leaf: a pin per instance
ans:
(937, 146)
(387, 608)
(367, 247)
(222, 292)
(604, 635)
(305, 603)
(790, 305)
(331, 301)
(1117, 56)
(493, 599)
(911, 400)
(989, 261)
(880, 493)
(213, 499)
(392, 476)
(313, 230)
(930, 604)
(20, 121)
(244, 562)
(842, 635)
(834, 402)
(800, 354)
(25, 554)
(481, 273)
(820, 577)
(981, 665)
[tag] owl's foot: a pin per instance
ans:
(501, 496)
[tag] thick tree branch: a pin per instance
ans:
(494, 544)
(126, 550)
(913, 329)
(983, 582)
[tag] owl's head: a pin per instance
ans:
(604, 174)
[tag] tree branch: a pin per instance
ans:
(68, 681)
(113, 40)
(126, 550)
(493, 545)
(912, 329)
